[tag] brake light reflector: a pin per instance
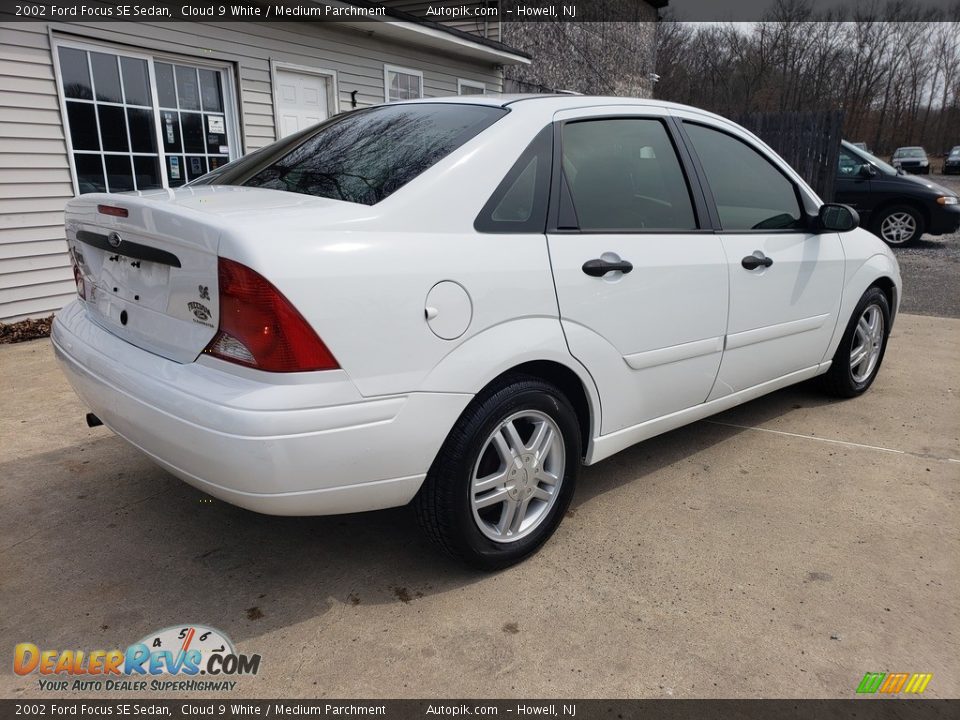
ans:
(261, 329)
(112, 210)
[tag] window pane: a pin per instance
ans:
(106, 77)
(187, 90)
(472, 90)
(166, 91)
(119, 174)
(210, 91)
(366, 155)
(147, 171)
(170, 130)
(142, 137)
(135, 86)
(113, 128)
(215, 139)
(83, 126)
(196, 166)
(751, 194)
(624, 175)
(176, 174)
(89, 173)
(218, 162)
(517, 203)
(191, 125)
(403, 86)
(75, 74)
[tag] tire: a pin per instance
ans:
(899, 225)
(445, 505)
(845, 378)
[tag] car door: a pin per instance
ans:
(852, 184)
(641, 279)
(785, 280)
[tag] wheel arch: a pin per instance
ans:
(569, 384)
(535, 347)
(889, 288)
(878, 270)
(899, 201)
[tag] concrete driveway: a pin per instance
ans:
(781, 549)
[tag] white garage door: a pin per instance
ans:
(301, 100)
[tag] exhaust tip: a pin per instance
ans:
(93, 420)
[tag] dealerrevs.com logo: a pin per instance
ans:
(181, 657)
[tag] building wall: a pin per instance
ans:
(35, 179)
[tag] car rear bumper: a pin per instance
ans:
(292, 445)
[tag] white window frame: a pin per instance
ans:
(461, 83)
(387, 69)
(333, 89)
(230, 98)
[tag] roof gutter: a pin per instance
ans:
(441, 40)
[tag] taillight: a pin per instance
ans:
(78, 278)
(261, 329)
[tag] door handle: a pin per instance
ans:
(598, 267)
(752, 262)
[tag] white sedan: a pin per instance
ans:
(460, 302)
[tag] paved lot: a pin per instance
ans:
(782, 549)
(931, 269)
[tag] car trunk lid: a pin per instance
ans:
(148, 264)
(149, 277)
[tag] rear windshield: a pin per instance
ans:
(362, 156)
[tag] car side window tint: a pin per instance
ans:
(848, 165)
(519, 204)
(623, 174)
(750, 192)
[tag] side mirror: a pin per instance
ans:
(867, 170)
(834, 217)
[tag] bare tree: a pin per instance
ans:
(897, 80)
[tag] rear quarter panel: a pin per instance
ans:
(362, 281)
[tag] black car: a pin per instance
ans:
(897, 208)
(952, 164)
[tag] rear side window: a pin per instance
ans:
(751, 194)
(365, 156)
(623, 175)
(519, 204)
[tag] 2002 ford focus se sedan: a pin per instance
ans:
(458, 303)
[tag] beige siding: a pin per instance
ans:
(35, 275)
(35, 182)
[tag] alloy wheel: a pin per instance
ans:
(867, 343)
(516, 479)
(897, 228)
